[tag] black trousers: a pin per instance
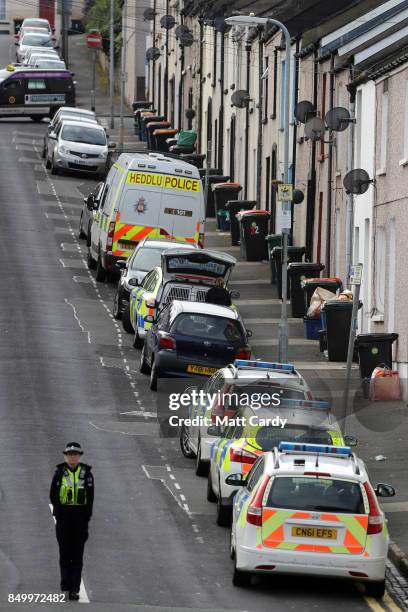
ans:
(71, 536)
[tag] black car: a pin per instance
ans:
(91, 204)
(192, 339)
(146, 256)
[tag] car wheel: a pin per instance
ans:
(232, 549)
(137, 340)
(184, 443)
(47, 164)
(144, 366)
(202, 467)
(153, 377)
(126, 323)
(43, 152)
(375, 589)
(223, 518)
(100, 271)
(116, 310)
(239, 578)
(211, 496)
(81, 232)
(54, 169)
(88, 238)
(90, 260)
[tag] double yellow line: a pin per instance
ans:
(387, 604)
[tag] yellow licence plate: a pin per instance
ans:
(323, 533)
(197, 369)
(127, 246)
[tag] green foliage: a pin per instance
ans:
(97, 18)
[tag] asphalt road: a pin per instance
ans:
(69, 373)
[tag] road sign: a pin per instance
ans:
(285, 192)
(356, 273)
(94, 40)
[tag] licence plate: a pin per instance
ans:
(85, 162)
(323, 533)
(127, 246)
(197, 369)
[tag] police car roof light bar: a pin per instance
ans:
(266, 365)
(344, 452)
(310, 404)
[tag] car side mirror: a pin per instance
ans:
(235, 295)
(384, 490)
(236, 480)
(149, 319)
(133, 281)
(16, 43)
(249, 333)
(112, 146)
(214, 430)
(350, 440)
(52, 136)
(121, 264)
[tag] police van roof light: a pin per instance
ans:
(344, 451)
(266, 365)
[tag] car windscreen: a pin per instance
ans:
(36, 41)
(85, 135)
(146, 259)
(208, 327)
(50, 65)
(269, 437)
(198, 264)
(316, 494)
(32, 23)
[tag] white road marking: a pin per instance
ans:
(83, 595)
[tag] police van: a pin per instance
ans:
(36, 93)
(145, 195)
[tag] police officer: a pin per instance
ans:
(218, 294)
(72, 495)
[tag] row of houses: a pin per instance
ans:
(349, 54)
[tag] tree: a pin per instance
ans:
(97, 18)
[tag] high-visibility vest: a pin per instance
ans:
(72, 490)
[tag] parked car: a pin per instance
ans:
(145, 257)
(47, 62)
(183, 275)
(82, 147)
(32, 40)
(190, 339)
(55, 125)
(39, 51)
(37, 22)
(91, 204)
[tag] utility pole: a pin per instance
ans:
(122, 76)
(112, 66)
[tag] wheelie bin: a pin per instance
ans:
(336, 315)
(294, 254)
(212, 179)
(274, 240)
(222, 193)
(253, 227)
(374, 350)
(223, 220)
(211, 172)
(138, 115)
(310, 285)
(196, 159)
(234, 206)
(297, 272)
(159, 138)
(148, 118)
(151, 127)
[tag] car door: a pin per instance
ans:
(142, 306)
(160, 324)
(97, 224)
(11, 96)
(53, 143)
(137, 295)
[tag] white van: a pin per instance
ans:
(145, 195)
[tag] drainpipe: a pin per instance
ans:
(166, 70)
(260, 125)
(153, 60)
(329, 174)
(200, 94)
(221, 115)
(248, 80)
(350, 197)
(311, 191)
(294, 143)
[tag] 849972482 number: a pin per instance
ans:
(36, 597)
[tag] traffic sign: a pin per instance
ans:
(285, 192)
(94, 40)
(356, 274)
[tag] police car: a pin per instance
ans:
(310, 509)
(254, 431)
(266, 376)
(184, 275)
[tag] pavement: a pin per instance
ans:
(68, 372)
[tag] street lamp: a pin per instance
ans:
(251, 20)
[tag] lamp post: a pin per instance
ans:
(251, 20)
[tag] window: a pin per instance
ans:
(14, 84)
(2, 9)
(391, 276)
(214, 80)
(380, 271)
(146, 259)
(282, 96)
(384, 131)
(275, 83)
(149, 281)
(208, 326)
(406, 122)
(84, 135)
(358, 128)
(255, 474)
(266, 89)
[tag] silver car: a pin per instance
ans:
(39, 51)
(82, 147)
(32, 40)
(56, 122)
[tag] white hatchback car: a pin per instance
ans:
(30, 40)
(310, 509)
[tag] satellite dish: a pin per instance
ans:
(152, 53)
(337, 119)
(298, 196)
(304, 110)
(219, 24)
(149, 14)
(314, 128)
(240, 98)
(357, 181)
(167, 22)
(190, 113)
(186, 38)
(180, 30)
